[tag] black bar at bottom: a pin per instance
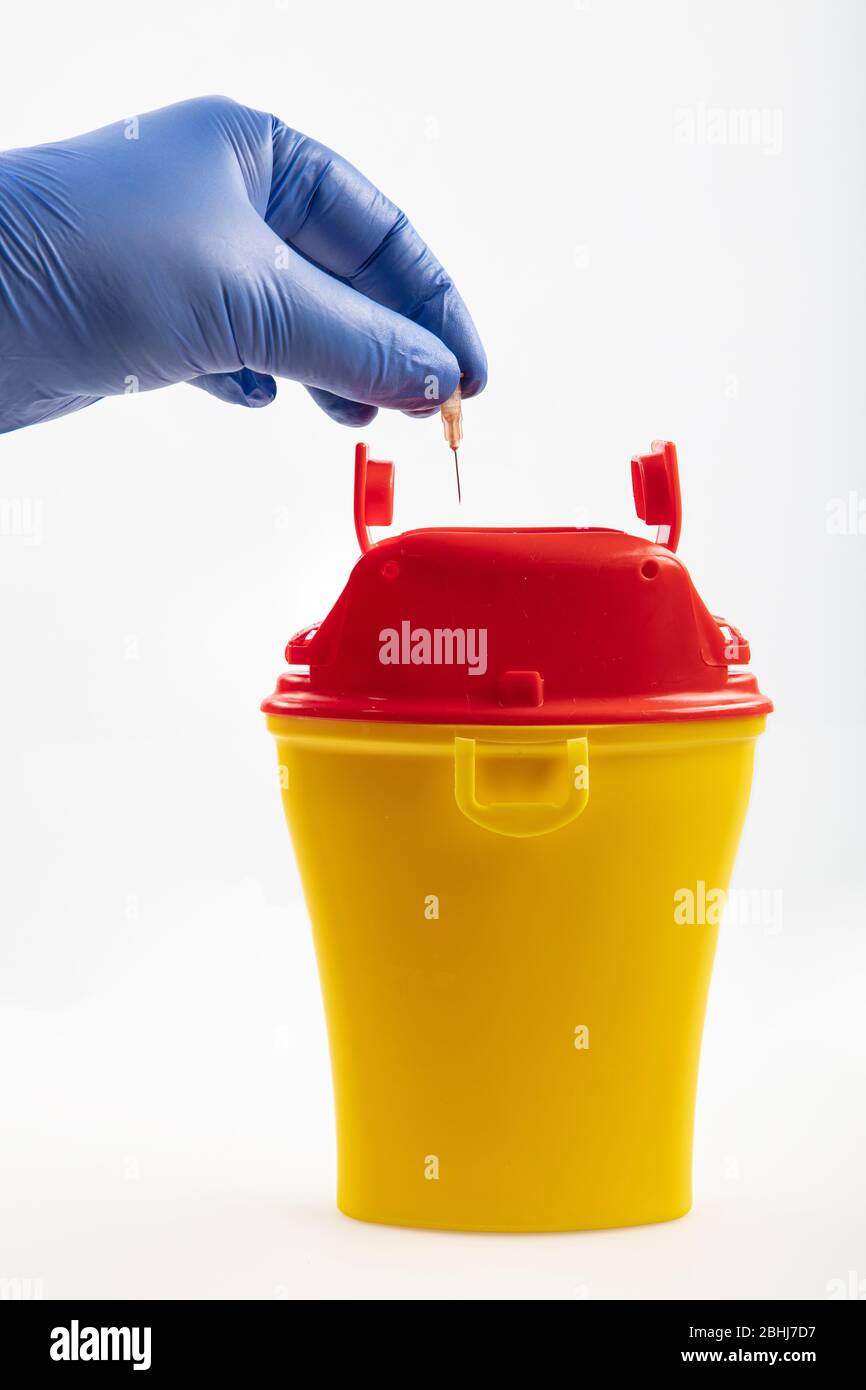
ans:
(221, 1339)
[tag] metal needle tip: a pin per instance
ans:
(457, 471)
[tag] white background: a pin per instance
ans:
(164, 1087)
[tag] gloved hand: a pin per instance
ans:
(207, 242)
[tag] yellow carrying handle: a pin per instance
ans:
(522, 818)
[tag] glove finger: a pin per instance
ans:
(352, 413)
(244, 387)
(326, 209)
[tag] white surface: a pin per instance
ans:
(164, 1095)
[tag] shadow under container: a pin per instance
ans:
(507, 868)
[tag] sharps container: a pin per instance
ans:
(515, 764)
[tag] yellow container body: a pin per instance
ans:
(512, 938)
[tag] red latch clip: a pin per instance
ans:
(298, 648)
(655, 481)
(374, 495)
(737, 652)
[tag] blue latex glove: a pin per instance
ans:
(207, 242)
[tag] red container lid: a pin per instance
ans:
(553, 625)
